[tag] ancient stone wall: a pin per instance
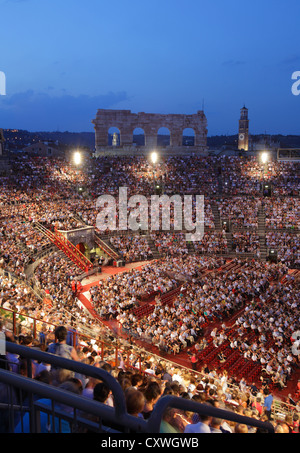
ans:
(127, 122)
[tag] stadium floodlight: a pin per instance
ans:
(154, 157)
(77, 158)
(264, 157)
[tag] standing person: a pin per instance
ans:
(74, 287)
(60, 347)
(268, 401)
(43, 334)
(257, 405)
(194, 360)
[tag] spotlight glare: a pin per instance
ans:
(264, 157)
(77, 158)
(154, 157)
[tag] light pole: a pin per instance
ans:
(154, 157)
(264, 159)
(77, 159)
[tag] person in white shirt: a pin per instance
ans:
(203, 426)
(177, 377)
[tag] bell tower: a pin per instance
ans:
(244, 130)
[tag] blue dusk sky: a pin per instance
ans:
(64, 59)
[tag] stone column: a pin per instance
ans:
(101, 136)
(201, 130)
(150, 136)
(175, 137)
(201, 136)
(126, 136)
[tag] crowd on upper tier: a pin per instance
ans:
(132, 248)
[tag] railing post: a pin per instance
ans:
(116, 356)
(102, 350)
(74, 338)
(34, 328)
(14, 323)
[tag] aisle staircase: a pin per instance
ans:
(229, 241)
(217, 218)
(66, 247)
(106, 248)
(220, 183)
(262, 233)
(155, 253)
(148, 308)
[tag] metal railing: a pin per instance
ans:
(108, 419)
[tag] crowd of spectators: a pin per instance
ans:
(132, 248)
(47, 194)
(210, 298)
(54, 274)
(246, 242)
(246, 175)
(282, 212)
(240, 211)
(17, 296)
(212, 242)
(286, 246)
(116, 294)
(143, 389)
(170, 244)
(35, 192)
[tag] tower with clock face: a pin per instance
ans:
(243, 142)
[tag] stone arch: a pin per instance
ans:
(81, 247)
(84, 248)
(163, 136)
(188, 136)
(139, 136)
(113, 136)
